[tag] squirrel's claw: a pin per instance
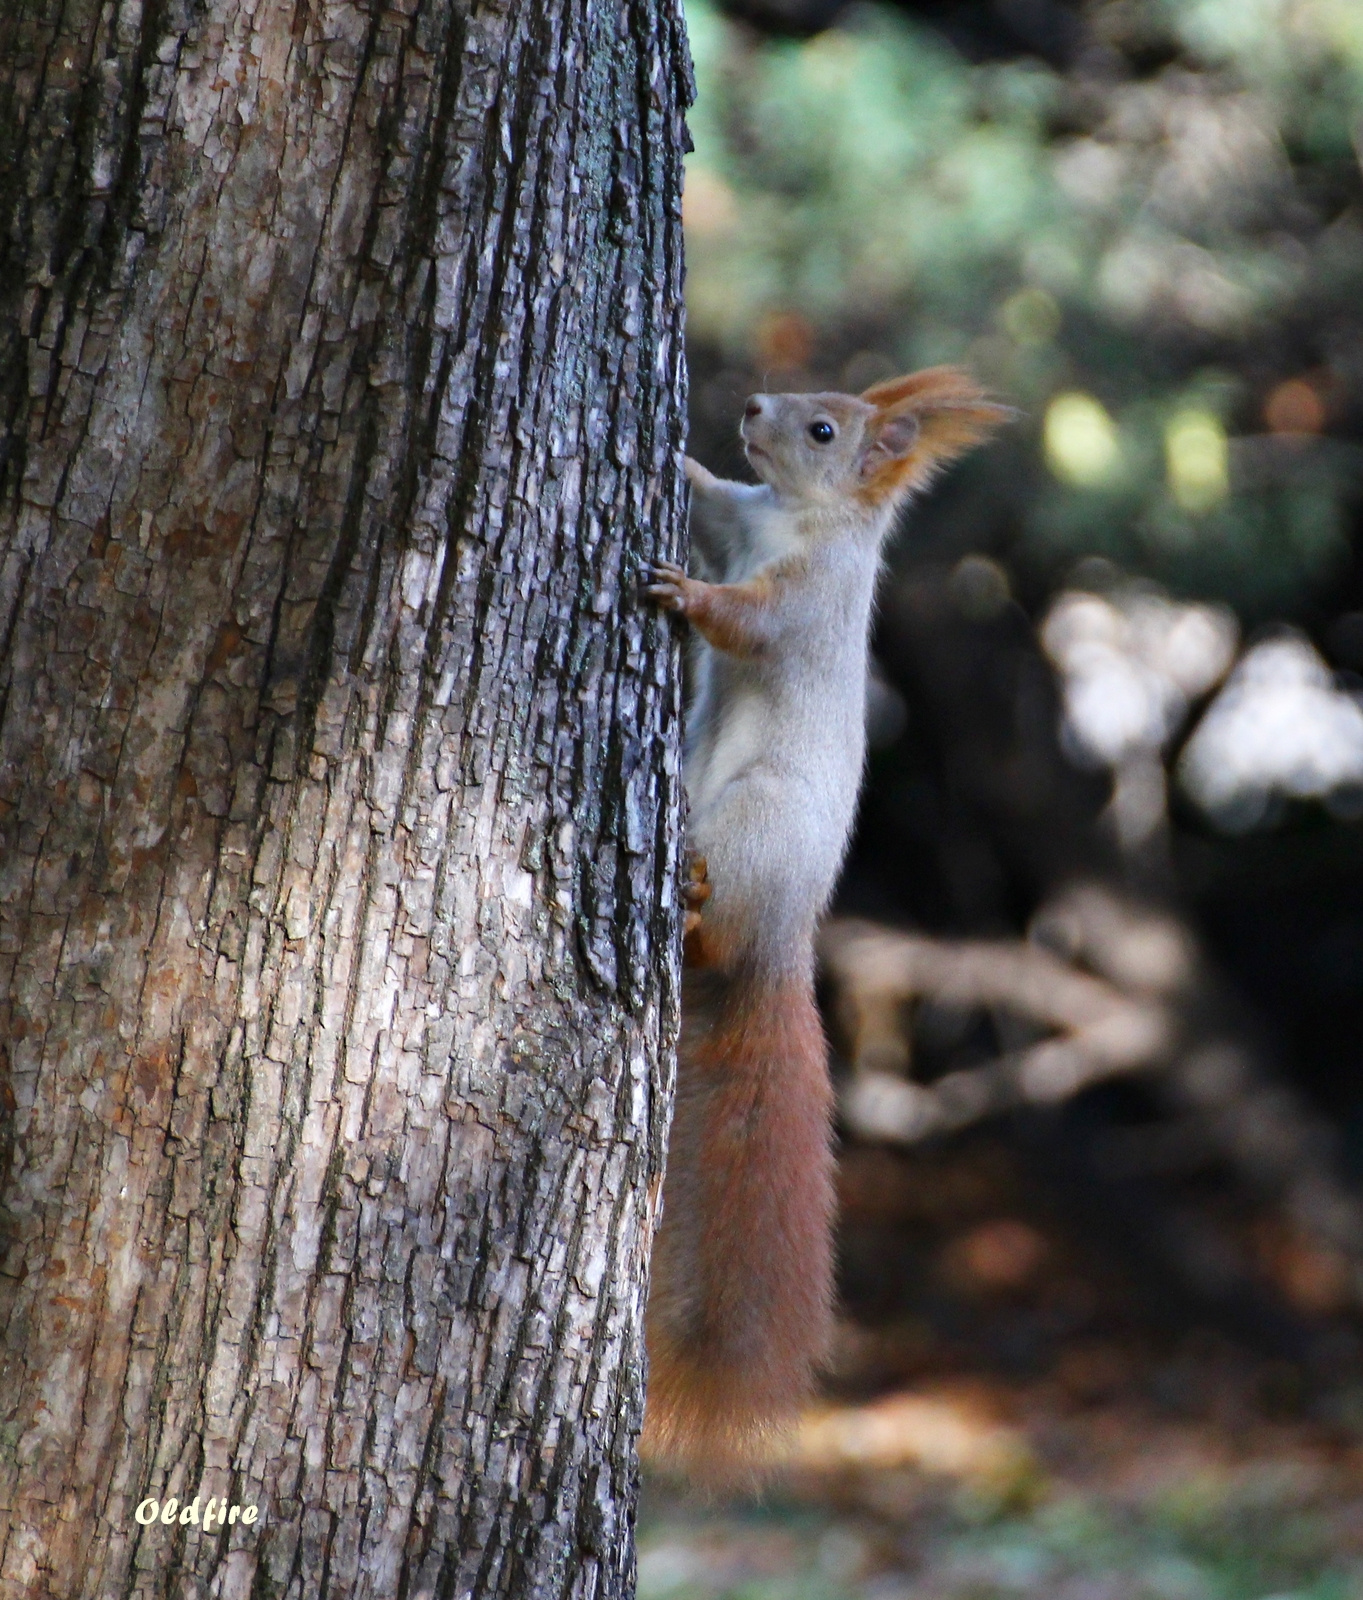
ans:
(668, 586)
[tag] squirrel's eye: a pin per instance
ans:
(821, 432)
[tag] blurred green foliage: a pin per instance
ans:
(1254, 1536)
(1158, 255)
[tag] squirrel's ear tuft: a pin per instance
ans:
(950, 413)
(931, 386)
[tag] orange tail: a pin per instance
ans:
(740, 1312)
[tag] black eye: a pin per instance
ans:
(821, 432)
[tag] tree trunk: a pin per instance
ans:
(342, 396)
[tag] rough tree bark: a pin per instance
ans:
(341, 395)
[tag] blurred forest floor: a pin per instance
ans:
(1122, 1503)
(1037, 1418)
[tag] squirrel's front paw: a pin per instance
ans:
(697, 476)
(669, 586)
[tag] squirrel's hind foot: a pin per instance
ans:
(696, 890)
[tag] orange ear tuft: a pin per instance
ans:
(945, 383)
(953, 413)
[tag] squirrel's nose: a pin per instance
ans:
(753, 408)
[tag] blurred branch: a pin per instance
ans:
(1101, 1031)
(1145, 1005)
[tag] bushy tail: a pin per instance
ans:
(740, 1311)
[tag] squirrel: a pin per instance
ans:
(740, 1308)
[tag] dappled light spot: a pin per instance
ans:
(1295, 407)
(1314, 1278)
(784, 340)
(1197, 459)
(1081, 441)
(935, 1433)
(1030, 317)
(1280, 728)
(1001, 1254)
(1130, 663)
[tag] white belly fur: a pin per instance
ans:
(773, 793)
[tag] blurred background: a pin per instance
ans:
(1095, 982)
